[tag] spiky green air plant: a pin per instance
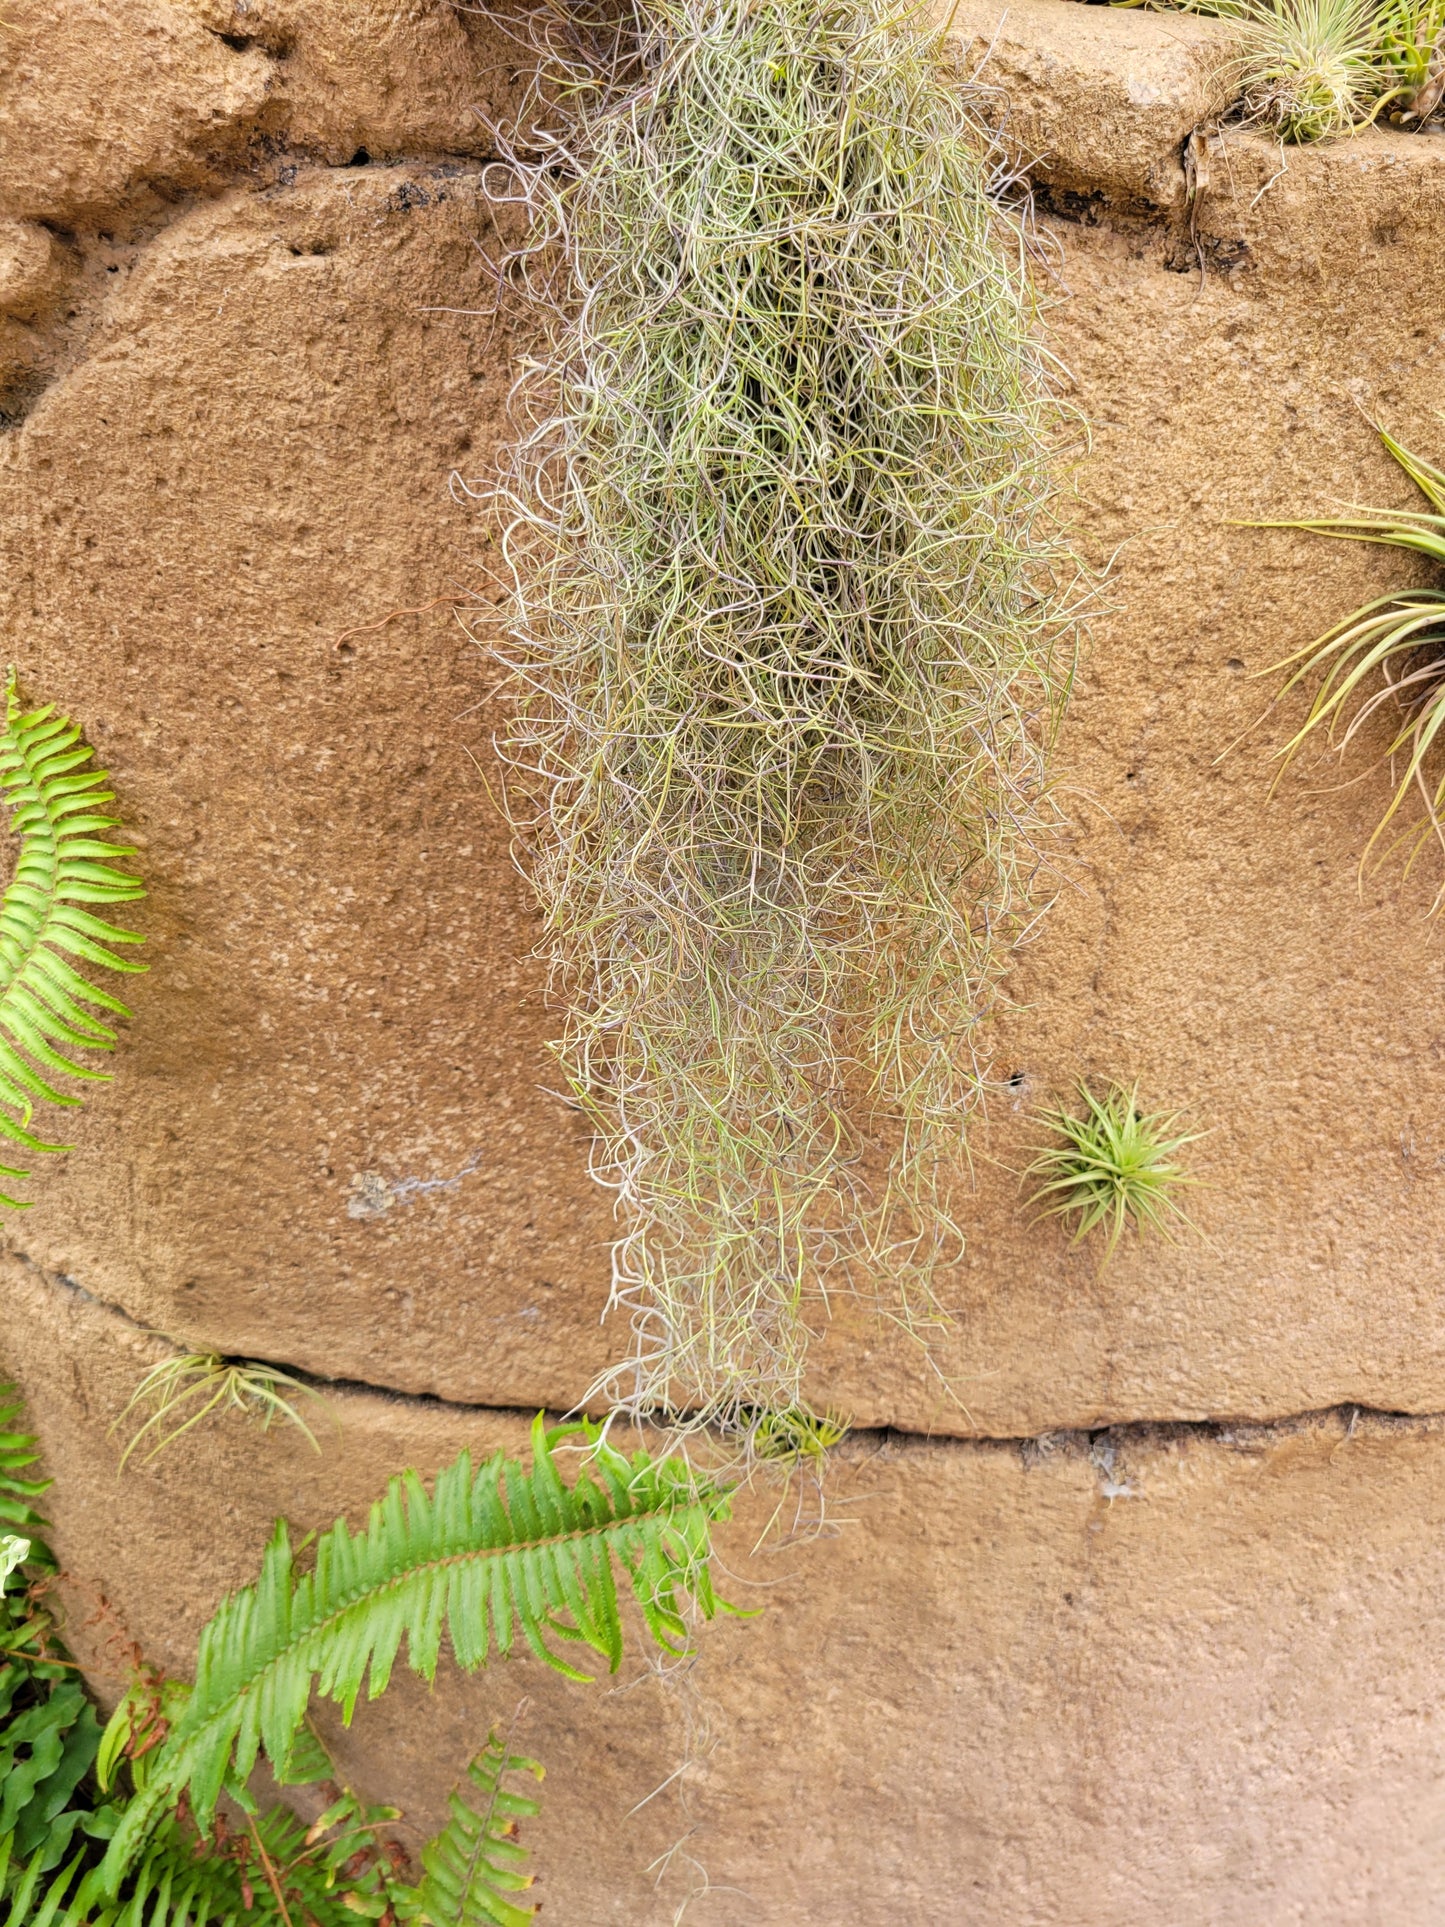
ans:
(786, 657)
(1308, 69)
(184, 1390)
(1115, 1167)
(56, 809)
(1388, 654)
(795, 1436)
(1410, 50)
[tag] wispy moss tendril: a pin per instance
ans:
(785, 655)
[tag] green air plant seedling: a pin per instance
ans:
(1410, 49)
(57, 810)
(1116, 1166)
(1313, 69)
(786, 657)
(794, 1437)
(182, 1391)
(1387, 655)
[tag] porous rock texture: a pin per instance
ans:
(248, 336)
(1157, 1674)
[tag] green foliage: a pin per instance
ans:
(508, 1553)
(786, 655)
(57, 811)
(489, 1556)
(474, 1866)
(1313, 69)
(1410, 48)
(48, 1732)
(1116, 1166)
(273, 1870)
(184, 1390)
(1388, 654)
(788, 1438)
(18, 1451)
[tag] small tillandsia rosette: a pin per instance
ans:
(1115, 1166)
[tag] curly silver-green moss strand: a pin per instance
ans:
(784, 659)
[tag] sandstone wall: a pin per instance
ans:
(246, 337)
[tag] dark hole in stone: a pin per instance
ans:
(360, 158)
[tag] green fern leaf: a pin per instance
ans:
(18, 1451)
(475, 1863)
(56, 807)
(492, 1557)
(328, 1875)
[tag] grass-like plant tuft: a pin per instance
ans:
(182, 1391)
(1116, 1166)
(1314, 69)
(1388, 654)
(785, 654)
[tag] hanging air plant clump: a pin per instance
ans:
(785, 654)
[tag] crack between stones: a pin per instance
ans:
(1035, 1447)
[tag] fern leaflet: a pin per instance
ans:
(57, 811)
(475, 1863)
(18, 1450)
(486, 1556)
(272, 1871)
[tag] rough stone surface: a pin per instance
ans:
(247, 336)
(335, 1104)
(114, 108)
(1164, 1675)
(329, 1141)
(1097, 100)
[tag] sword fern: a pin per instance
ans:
(475, 1864)
(490, 1557)
(57, 810)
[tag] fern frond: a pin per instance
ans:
(272, 1871)
(57, 811)
(492, 1556)
(18, 1450)
(475, 1863)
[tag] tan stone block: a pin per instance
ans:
(1097, 100)
(330, 1139)
(112, 109)
(231, 554)
(101, 97)
(399, 78)
(1164, 1674)
(30, 273)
